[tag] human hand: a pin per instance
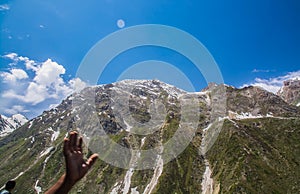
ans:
(76, 166)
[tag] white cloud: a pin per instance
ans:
(9, 94)
(77, 84)
(49, 73)
(30, 64)
(44, 83)
(262, 71)
(19, 73)
(12, 56)
(16, 109)
(274, 84)
(4, 7)
(34, 94)
(47, 83)
(14, 75)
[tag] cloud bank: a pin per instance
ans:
(33, 83)
(274, 84)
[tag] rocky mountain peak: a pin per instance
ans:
(257, 102)
(290, 92)
(9, 124)
(209, 87)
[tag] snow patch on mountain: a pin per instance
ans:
(247, 115)
(116, 188)
(170, 89)
(20, 174)
(134, 191)
(207, 182)
(37, 188)
(128, 127)
(46, 151)
(143, 141)
(157, 172)
(30, 124)
(209, 125)
(127, 181)
(32, 140)
(55, 134)
(18, 119)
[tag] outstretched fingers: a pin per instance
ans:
(71, 144)
(91, 160)
(76, 166)
(74, 145)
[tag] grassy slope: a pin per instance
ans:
(261, 156)
(183, 174)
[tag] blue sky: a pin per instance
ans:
(253, 42)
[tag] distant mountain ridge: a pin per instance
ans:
(255, 147)
(9, 124)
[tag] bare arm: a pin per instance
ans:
(76, 166)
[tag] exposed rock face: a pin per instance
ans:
(257, 101)
(290, 92)
(256, 150)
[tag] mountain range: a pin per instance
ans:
(155, 138)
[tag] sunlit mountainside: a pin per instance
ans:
(245, 140)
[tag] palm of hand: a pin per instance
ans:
(76, 166)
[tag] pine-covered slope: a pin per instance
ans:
(256, 150)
